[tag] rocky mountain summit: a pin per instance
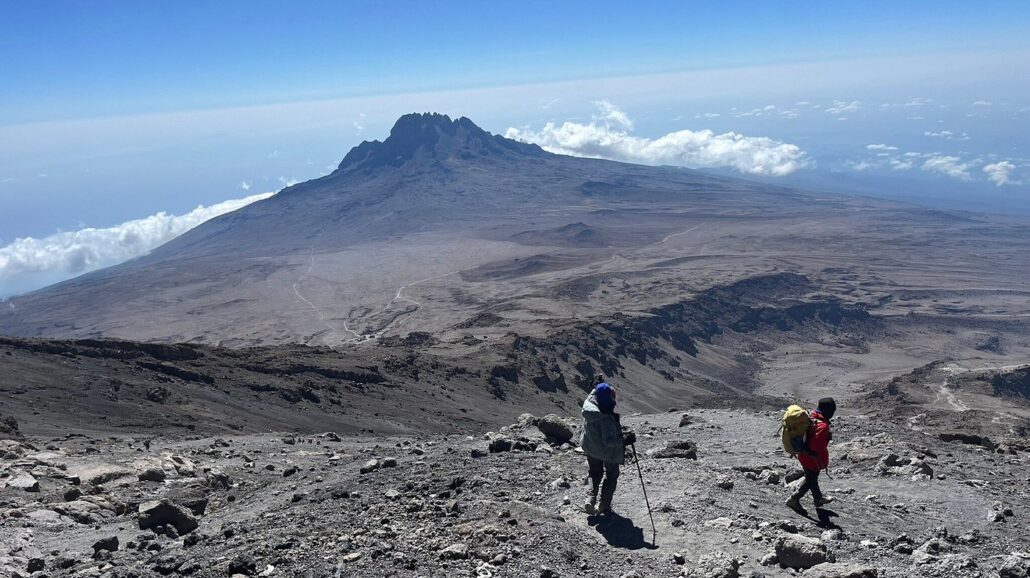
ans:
(419, 138)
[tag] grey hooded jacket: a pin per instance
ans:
(602, 435)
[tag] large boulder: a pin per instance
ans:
(97, 474)
(23, 481)
(500, 444)
(152, 474)
(835, 570)
(11, 450)
(797, 551)
(82, 511)
(554, 428)
(164, 513)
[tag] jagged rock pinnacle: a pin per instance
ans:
(432, 136)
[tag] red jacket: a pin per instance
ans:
(818, 441)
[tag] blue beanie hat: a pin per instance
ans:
(605, 395)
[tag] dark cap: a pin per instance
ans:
(827, 406)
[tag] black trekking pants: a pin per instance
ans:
(811, 483)
(609, 473)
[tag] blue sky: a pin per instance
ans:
(83, 59)
(114, 111)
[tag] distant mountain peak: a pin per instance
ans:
(432, 136)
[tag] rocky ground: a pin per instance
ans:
(391, 458)
(507, 503)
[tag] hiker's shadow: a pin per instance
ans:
(620, 532)
(823, 518)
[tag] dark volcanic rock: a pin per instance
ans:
(966, 438)
(9, 427)
(154, 474)
(243, 564)
(500, 444)
(109, 544)
(158, 394)
(165, 512)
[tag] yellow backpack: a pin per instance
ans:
(793, 428)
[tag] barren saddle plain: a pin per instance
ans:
(350, 378)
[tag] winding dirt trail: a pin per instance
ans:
(945, 392)
(318, 310)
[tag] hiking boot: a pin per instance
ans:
(823, 501)
(589, 508)
(794, 503)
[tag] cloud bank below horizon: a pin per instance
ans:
(608, 136)
(30, 263)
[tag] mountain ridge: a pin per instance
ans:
(443, 221)
(423, 136)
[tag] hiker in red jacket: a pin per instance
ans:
(816, 455)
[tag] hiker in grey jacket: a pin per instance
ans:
(604, 445)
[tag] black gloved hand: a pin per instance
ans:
(629, 438)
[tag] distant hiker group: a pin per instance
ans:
(805, 435)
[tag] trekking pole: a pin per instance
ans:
(654, 531)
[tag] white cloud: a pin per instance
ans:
(1000, 173)
(767, 110)
(947, 135)
(66, 254)
(612, 116)
(844, 107)
(245, 185)
(948, 165)
(982, 103)
(881, 147)
(915, 102)
(607, 136)
(359, 125)
(901, 165)
(708, 115)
